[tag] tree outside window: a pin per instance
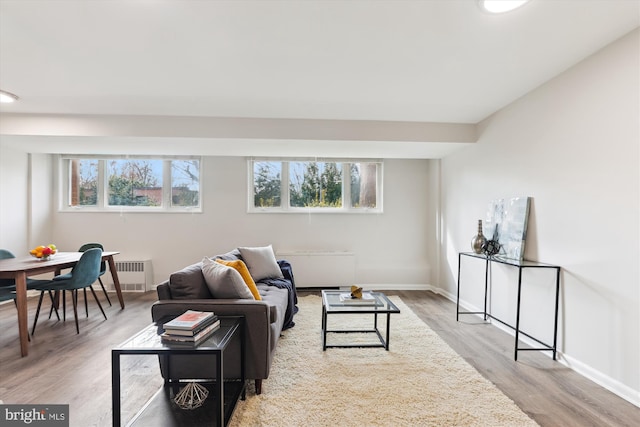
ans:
(83, 176)
(185, 183)
(363, 185)
(315, 184)
(266, 184)
(135, 182)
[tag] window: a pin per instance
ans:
(319, 185)
(146, 184)
(266, 184)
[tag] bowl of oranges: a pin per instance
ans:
(43, 253)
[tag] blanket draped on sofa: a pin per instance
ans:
(289, 284)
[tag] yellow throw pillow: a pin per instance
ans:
(241, 267)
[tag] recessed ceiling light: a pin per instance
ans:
(500, 6)
(6, 97)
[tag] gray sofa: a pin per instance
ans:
(264, 320)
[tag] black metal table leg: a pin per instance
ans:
(115, 388)
(517, 329)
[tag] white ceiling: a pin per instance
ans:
(419, 61)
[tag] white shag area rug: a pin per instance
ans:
(420, 381)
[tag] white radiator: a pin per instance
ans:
(134, 276)
(320, 269)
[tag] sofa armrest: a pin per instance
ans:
(164, 290)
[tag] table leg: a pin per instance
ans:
(324, 327)
(517, 328)
(219, 390)
(115, 388)
(116, 281)
(21, 303)
(386, 345)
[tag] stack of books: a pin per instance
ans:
(366, 299)
(191, 328)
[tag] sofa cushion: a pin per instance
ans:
(189, 283)
(244, 272)
(261, 262)
(224, 281)
(229, 256)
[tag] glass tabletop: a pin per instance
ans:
(149, 338)
(372, 302)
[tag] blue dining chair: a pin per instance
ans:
(8, 286)
(82, 276)
(8, 295)
(103, 266)
(103, 269)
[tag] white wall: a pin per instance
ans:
(390, 248)
(14, 192)
(573, 146)
(26, 191)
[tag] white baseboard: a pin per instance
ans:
(393, 287)
(613, 385)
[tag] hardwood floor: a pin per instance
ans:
(66, 368)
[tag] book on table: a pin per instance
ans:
(367, 299)
(195, 339)
(190, 322)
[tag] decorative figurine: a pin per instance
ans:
(192, 396)
(356, 292)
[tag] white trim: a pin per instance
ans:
(614, 386)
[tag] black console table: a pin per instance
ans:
(520, 265)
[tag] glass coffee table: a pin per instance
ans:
(377, 304)
(161, 410)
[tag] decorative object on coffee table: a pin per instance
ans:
(356, 292)
(478, 240)
(192, 396)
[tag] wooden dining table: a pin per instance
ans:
(20, 268)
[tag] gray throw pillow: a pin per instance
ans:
(261, 262)
(224, 281)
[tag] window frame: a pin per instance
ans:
(285, 206)
(64, 178)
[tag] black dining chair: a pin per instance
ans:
(82, 276)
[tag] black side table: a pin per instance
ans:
(223, 395)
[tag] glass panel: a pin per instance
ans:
(134, 182)
(185, 183)
(83, 179)
(364, 178)
(266, 184)
(315, 184)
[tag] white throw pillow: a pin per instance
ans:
(224, 281)
(261, 262)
